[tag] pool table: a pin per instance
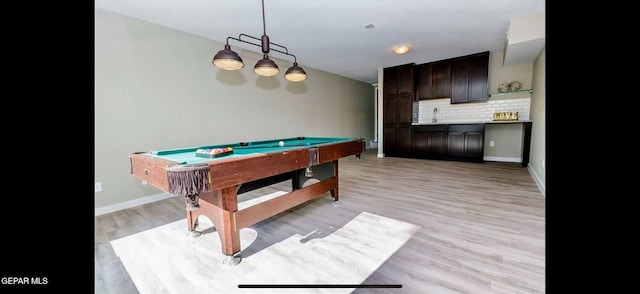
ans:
(211, 184)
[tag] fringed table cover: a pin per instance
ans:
(189, 180)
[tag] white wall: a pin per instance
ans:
(155, 88)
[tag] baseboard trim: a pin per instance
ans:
(537, 180)
(380, 155)
(503, 159)
(131, 203)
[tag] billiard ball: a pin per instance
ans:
(281, 143)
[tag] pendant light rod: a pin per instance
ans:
(265, 38)
(272, 43)
(264, 25)
(286, 52)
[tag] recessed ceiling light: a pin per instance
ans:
(402, 49)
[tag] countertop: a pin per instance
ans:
(469, 122)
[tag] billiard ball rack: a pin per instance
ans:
(213, 152)
(280, 146)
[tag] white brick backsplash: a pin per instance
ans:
(471, 112)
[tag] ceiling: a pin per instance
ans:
(330, 35)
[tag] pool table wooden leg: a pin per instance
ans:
(334, 191)
(220, 206)
(227, 204)
(192, 220)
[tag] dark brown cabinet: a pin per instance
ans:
(397, 140)
(424, 81)
(404, 111)
(390, 137)
(463, 79)
(390, 83)
(398, 109)
(469, 78)
(455, 144)
(405, 80)
(433, 80)
(429, 141)
(404, 139)
(441, 79)
(465, 142)
(389, 107)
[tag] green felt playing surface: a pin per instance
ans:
(188, 155)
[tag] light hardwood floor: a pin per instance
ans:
(431, 226)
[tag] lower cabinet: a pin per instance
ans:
(429, 141)
(463, 142)
(397, 140)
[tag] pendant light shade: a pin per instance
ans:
(295, 73)
(266, 67)
(227, 59)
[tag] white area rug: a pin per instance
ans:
(166, 260)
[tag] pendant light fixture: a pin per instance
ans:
(229, 60)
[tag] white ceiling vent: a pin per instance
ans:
(525, 39)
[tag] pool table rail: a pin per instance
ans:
(226, 172)
(223, 172)
(151, 169)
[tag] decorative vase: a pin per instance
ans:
(503, 87)
(515, 86)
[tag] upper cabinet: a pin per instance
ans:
(390, 81)
(469, 78)
(463, 79)
(433, 80)
(405, 83)
(423, 81)
(398, 80)
(441, 79)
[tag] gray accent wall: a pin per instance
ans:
(155, 88)
(537, 164)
